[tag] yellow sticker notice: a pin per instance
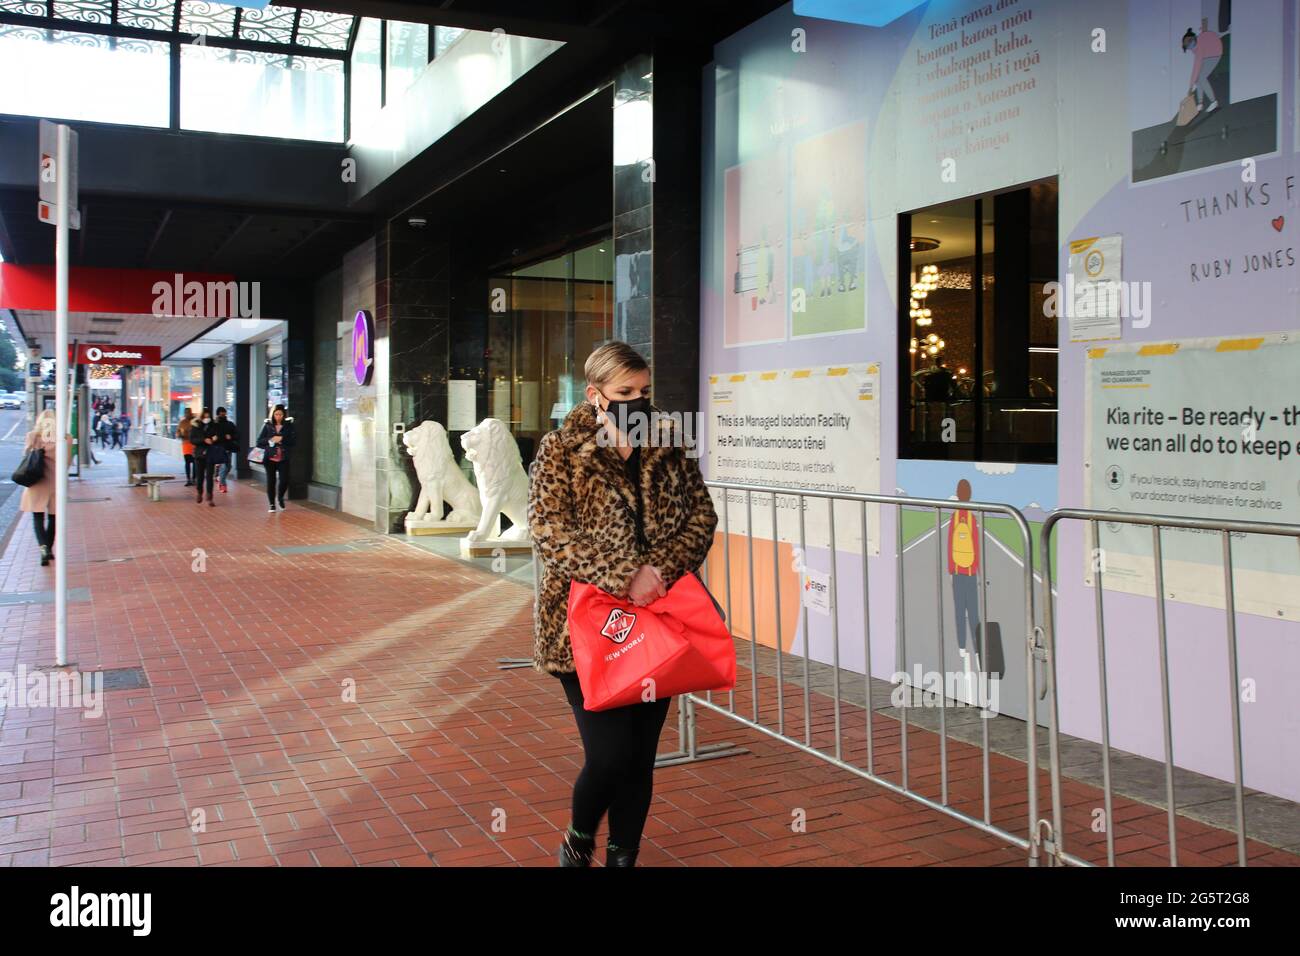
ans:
(1240, 345)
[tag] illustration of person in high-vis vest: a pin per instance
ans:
(964, 567)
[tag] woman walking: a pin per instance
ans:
(209, 453)
(630, 517)
(39, 498)
(277, 439)
(187, 447)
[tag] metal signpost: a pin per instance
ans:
(57, 176)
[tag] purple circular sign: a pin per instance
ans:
(363, 347)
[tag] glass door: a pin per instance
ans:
(544, 322)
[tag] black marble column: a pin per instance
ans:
(676, 264)
(412, 325)
(292, 303)
(242, 411)
(209, 384)
(657, 116)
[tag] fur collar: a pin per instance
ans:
(581, 434)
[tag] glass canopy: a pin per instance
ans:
(276, 24)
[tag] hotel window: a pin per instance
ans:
(978, 349)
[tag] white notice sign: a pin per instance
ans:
(1092, 295)
(814, 428)
(815, 591)
(1202, 428)
(461, 394)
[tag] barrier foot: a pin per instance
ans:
(513, 663)
(708, 752)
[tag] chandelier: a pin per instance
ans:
(930, 345)
(925, 284)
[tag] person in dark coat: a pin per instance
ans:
(209, 452)
(230, 438)
(277, 439)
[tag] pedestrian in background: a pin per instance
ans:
(183, 428)
(209, 454)
(38, 499)
(277, 438)
(230, 439)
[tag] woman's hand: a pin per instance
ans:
(647, 586)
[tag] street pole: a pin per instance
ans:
(63, 173)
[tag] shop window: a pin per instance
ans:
(553, 315)
(980, 353)
(275, 384)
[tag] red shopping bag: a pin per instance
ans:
(625, 654)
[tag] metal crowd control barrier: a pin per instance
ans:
(1054, 844)
(687, 727)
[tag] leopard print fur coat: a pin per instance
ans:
(581, 512)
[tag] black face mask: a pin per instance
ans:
(621, 412)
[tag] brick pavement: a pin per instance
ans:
(345, 708)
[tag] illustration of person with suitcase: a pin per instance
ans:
(964, 566)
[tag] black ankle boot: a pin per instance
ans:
(45, 555)
(617, 856)
(577, 851)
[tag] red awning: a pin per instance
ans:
(123, 291)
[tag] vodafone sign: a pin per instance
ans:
(118, 355)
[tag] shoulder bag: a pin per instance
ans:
(31, 469)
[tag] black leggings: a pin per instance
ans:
(189, 467)
(44, 525)
(276, 469)
(204, 470)
(618, 776)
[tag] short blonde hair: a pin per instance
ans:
(611, 359)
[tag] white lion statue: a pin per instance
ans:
(502, 483)
(441, 480)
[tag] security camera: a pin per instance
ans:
(417, 222)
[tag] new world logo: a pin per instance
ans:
(618, 625)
